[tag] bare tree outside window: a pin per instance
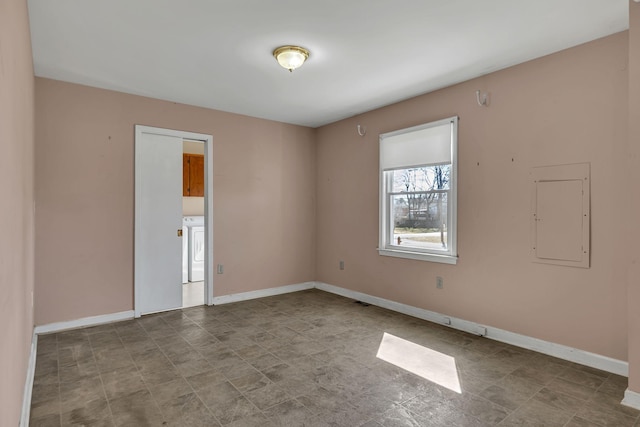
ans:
(419, 201)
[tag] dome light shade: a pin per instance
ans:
(291, 57)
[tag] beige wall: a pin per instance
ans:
(569, 107)
(264, 198)
(16, 211)
(193, 206)
(193, 147)
(633, 163)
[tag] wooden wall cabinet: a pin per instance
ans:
(192, 175)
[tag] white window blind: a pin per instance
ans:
(424, 145)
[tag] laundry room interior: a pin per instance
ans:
(193, 224)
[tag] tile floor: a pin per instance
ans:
(304, 359)
(192, 294)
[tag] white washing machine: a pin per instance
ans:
(195, 247)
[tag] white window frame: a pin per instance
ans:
(386, 245)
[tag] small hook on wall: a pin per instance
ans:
(481, 98)
(362, 130)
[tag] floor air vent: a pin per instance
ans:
(364, 304)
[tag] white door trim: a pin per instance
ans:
(208, 208)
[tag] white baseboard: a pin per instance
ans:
(244, 296)
(582, 357)
(560, 351)
(28, 385)
(85, 321)
(631, 399)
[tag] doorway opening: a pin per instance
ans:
(163, 203)
(193, 224)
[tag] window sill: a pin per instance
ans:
(445, 259)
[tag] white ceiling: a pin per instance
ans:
(364, 53)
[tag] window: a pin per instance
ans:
(418, 174)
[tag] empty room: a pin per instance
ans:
(320, 213)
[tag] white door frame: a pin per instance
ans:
(208, 209)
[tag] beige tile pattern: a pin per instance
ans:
(304, 359)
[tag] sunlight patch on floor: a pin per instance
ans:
(422, 361)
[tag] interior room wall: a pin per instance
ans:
(633, 199)
(193, 206)
(16, 211)
(264, 198)
(569, 107)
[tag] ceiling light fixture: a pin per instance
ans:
(291, 57)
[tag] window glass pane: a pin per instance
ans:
(419, 220)
(424, 178)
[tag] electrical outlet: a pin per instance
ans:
(341, 265)
(220, 269)
(439, 282)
